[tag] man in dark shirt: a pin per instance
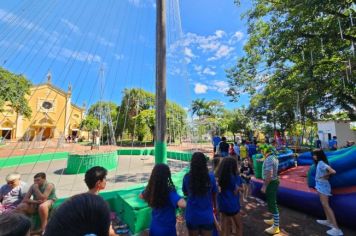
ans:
(223, 147)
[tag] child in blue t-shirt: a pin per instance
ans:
(161, 196)
(322, 185)
(200, 188)
(230, 184)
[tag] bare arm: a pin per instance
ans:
(43, 196)
(27, 197)
(331, 171)
(182, 203)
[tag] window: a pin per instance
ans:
(47, 105)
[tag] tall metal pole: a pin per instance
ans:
(160, 127)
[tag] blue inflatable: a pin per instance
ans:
(306, 159)
(344, 163)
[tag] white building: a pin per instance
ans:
(339, 128)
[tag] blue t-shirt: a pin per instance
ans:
(216, 141)
(252, 150)
(199, 209)
(228, 200)
(164, 219)
(332, 143)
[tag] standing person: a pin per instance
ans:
(270, 187)
(237, 151)
(228, 196)
(162, 197)
(216, 140)
(200, 188)
(322, 185)
(223, 147)
(243, 150)
(318, 143)
(12, 193)
(232, 150)
(95, 179)
(333, 143)
(252, 148)
(44, 196)
(246, 173)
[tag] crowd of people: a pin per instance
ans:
(212, 203)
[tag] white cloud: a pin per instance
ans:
(198, 69)
(219, 86)
(80, 55)
(200, 88)
(222, 52)
(188, 52)
(220, 33)
(209, 71)
(237, 37)
(71, 26)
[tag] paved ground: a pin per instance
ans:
(131, 170)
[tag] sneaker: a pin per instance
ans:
(325, 222)
(272, 230)
(334, 232)
(269, 222)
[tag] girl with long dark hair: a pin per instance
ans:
(322, 185)
(161, 196)
(228, 197)
(200, 188)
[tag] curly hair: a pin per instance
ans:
(160, 184)
(227, 168)
(199, 181)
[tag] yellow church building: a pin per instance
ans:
(53, 115)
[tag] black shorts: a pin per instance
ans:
(206, 227)
(246, 180)
(230, 213)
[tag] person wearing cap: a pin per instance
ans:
(270, 187)
(12, 193)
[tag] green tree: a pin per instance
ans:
(106, 114)
(305, 46)
(145, 124)
(133, 102)
(13, 89)
(90, 123)
(239, 121)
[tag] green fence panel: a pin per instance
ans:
(28, 159)
(78, 163)
(257, 165)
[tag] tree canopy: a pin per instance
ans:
(13, 89)
(299, 59)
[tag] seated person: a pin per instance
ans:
(12, 193)
(12, 223)
(82, 214)
(95, 179)
(44, 195)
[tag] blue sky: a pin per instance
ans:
(83, 42)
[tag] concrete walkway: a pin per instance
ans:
(131, 170)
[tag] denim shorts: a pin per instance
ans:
(323, 188)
